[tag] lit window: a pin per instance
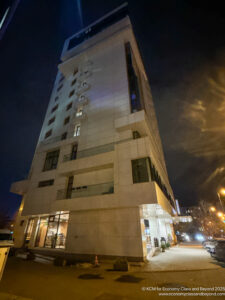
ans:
(79, 111)
(77, 130)
(52, 231)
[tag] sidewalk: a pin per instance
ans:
(181, 258)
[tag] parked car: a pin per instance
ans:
(210, 245)
(5, 236)
(219, 251)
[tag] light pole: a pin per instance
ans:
(222, 191)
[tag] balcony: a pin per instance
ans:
(86, 191)
(89, 152)
(20, 187)
(134, 121)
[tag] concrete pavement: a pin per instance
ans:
(181, 258)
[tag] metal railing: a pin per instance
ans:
(86, 191)
(89, 152)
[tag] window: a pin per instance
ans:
(46, 183)
(48, 133)
(140, 170)
(56, 98)
(71, 93)
(64, 135)
(69, 187)
(61, 78)
(29, 230)
(156, 177)
(60, 87)
(52, 231)
(73, 82)
(74, 152)
(79, 111)
(69, 106)
(51, 120)
(77, 130)
(75, 71)
(136, 135)
(133, 80)
(66, 121)
(51, 160)
(54, 108)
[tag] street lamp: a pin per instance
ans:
(220, 214)
(212, 208)
(221, 191)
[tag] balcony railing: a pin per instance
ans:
(89, 152)
(86, 191)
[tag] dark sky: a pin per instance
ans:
(182, 44)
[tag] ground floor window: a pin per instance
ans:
(29, 230)
(52, 231)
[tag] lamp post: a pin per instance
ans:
(222, 191)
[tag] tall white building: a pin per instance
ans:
(98, 182)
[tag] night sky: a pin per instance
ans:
(182, 44)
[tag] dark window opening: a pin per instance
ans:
(56, 98)
(69, 106)
(51, 120)
(133, 80)
(75, 71)
(136, 135)
(46, 183)
(69, 187)
(51, 160)
(48, 134)
(71, 93)
(74, 152)
(54, 108)
(156, 177)
(61, 78)
(66, 121)
(73, 82)
(140, 170)
(59, 88)
(64, 136)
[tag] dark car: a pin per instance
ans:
(219, 251)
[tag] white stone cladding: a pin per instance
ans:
(105, 223)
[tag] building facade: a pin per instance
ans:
(98, 183)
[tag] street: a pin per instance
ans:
(33, 280)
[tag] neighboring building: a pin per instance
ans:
(98, 182)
